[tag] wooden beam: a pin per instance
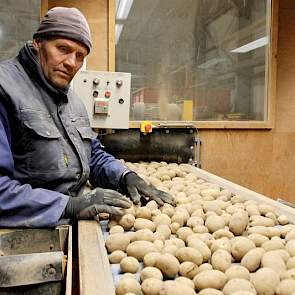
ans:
(111, 35)
(272, 63)
(95, 275)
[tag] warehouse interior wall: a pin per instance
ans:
(261, 160)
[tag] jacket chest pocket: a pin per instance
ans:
(42, 143)
(86, 135)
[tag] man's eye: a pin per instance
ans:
(62, 49)
(80, 56)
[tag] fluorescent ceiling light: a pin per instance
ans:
(124, 9)
(252, 45)
(118, 29)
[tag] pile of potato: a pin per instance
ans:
(211, 242)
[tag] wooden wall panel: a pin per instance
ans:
(96, 12)
(263, 160)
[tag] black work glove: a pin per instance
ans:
(97, 201)
(135, 186)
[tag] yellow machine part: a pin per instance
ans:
(187, 113)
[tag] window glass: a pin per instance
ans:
(18, 21)
(194, 59)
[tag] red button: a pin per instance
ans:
(107, 94)
(148, 127)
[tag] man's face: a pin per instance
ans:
(60, 59)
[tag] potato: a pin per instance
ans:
(139, 249)
(195, 220)
(265, 281)
(151, 286)
(168, 265)
(210, 291)
(214, 223)
(213, 206)
(144, 212)
(273, 245)
(174, 227)
(178, 218)
(159, 236)
(235, 285)
(165, 230)
(200, 229)
(188, 269)
(258, 239)
(169, 249)
(286, 287)
(201, 247)
(189, 254)
(175, 241)
(143, 235)
(286, 229)
(261, 221)
(273, 260)
(252, 210)
(129, 264)
(290, 235)
(291, 263)
(223, 233)
(221, 260)
(116, 229)
(242, 293)
(184, 232)
(151, 272)
(128, 284)
(150, 259)
(162, 219)
(185, 281)
(238, 222)
(262, 230)
(127, 221)
(223, 243)
(210, 279)
(117, 256)
(240, 246)
(118, 241)
(252, 259)
(175, 288)
(204, 266)
(238, 272)
(265, 208)
(141, 223)
(155, 213)
(283, 253)
(290, 247)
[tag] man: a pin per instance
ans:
(47, 148)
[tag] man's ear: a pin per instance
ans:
(37, 44)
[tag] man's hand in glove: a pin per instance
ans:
(97, 201)
(135, 186)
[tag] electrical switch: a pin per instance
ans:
(146, 127)
(107, 94)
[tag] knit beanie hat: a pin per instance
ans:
(65, 22)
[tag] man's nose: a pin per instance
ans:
(70, 61)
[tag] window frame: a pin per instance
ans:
(270, 88)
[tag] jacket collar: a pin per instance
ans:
(28, 58)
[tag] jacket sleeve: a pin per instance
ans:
(105, 170)
(20, 204)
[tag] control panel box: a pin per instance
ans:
(106, 96)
